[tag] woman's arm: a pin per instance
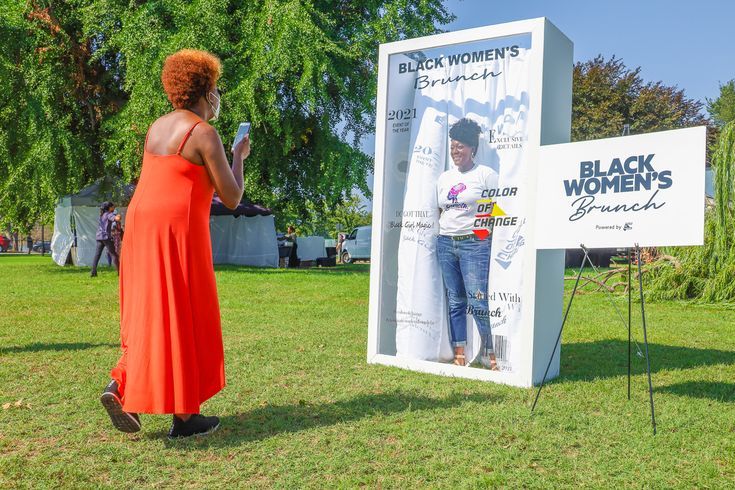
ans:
(227, 181)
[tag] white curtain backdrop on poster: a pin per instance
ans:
(515, 81)
(421, 310)
(499, 104)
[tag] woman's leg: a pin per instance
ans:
(475, 265)
(293, 258)
(97, 255)
(456, 295)
(114, 394)
(113, 253)
(119, 372)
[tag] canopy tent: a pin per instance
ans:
(310, 247)
(243, 236)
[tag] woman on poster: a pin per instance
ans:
(464, 255)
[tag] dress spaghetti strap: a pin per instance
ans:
(186, 137)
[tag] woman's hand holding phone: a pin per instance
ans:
(242, 149)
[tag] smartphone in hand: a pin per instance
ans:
(242, 131)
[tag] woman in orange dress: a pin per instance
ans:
(172, 356)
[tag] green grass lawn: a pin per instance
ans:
(302, 408)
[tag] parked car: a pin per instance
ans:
(41, 247)
(5, 243)
(357, 245)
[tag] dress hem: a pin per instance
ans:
(165, 411)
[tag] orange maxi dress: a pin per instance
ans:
(172, 356)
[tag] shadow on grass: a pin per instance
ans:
(609, 358)
(84, 270)
(336, 270)
(722, 392)
(39, 347)
(268, 421)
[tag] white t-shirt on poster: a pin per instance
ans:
(457, 195)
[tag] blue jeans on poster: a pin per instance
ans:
(465, 265)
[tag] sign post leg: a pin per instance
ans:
(645, 338)
(558, 337)
(630, 307)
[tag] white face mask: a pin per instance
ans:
(213, 99)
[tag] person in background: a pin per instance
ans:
(107, 252)
(117, 236)
(464, 257)
(114, 227)
(103, 236)
(29, 243)
(293, 260)
(340, 240)
(172, 357)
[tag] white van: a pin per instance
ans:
(357, 245)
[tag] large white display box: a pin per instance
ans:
(515, 81)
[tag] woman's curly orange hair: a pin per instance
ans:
(188, 75)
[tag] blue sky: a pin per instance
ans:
(683, 43)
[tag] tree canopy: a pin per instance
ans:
(705, 273)
(80, 84)
(722, 109)
(607, 94)
(330, 221)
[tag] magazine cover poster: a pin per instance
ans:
(429, 91)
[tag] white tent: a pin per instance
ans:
(244, 236)
(310, 247)
(80, 211)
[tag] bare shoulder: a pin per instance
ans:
(207, 145)
(206, 135)
(172, 124)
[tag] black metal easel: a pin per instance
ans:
(645, 337)
(586, 259)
